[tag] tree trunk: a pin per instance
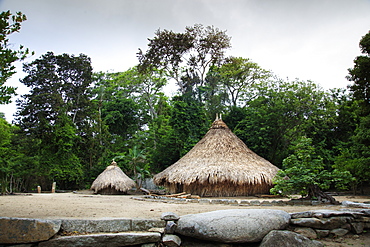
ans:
(315, 192)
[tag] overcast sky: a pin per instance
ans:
(307, 39)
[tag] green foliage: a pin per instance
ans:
(185, 57)
(6, 153)
(59, 113)
(237, 75)
(355, 153)
(189, 123)
(74, 121)
(279, 112)
(136, 162)
(9, 24)
(304, 171)
(355, 157)
(360, 75)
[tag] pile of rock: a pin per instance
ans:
(232, 227)
(187, 199)
(79, 232)
(324, 223)
(240, 226)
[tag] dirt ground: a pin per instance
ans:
(85, 205)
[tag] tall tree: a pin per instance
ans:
(6, 154)
(59, 112)
(189, 123)
(237, 75)
(360, 75)
(279, 113)
(9, 24)
(186, 57)
(355, 156)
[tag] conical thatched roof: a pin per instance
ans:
(219, 165)
(112, 181)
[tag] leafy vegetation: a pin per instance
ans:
(305, 174)
(73, 122)
(9, 24)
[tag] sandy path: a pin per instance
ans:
(70, 205)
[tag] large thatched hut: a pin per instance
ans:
(112, 181)
(220, 164)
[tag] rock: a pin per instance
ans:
(17, 230)
(110, 225)
(104, 239)
(92, 226)
(193, 242)
(357, 210)
(287, 238)
(204, 201)
(169, 216)
(306, 214)
(244, 203)
(357, 227)
(233, 225)
(325, 214)
(171, 240)
(339, 232)
(170, 227)
(322, 233)
(149, 245)
(21, 245)
(255, 203)
(145, 224)
(160, 230)
(307, 232)
(325, 223)
(355, 204)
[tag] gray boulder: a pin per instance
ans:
(169, 216)
(171, 240)
(306, 231)
(233, 225)
(323, 213)
(339, 232)
(18, 230)
(287, 239)
(324, 223)
(104, 239)
(355, 204)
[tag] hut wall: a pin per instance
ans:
(220, 189)
(111, 191)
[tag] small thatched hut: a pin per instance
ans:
(219, 165)
(112, 181)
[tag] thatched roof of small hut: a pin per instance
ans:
(220, 164)
(112, 181)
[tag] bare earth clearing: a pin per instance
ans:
(85, 205)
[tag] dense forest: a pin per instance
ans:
(74, 121)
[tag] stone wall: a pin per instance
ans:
(261, 227)
(293, 202)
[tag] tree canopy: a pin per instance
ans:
(74, 121)
(186, 57)
(305, 174)
(9, 24)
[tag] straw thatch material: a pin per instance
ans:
(219, 165)
(112, 181)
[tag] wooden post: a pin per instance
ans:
(39, 189)
(53, 187)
